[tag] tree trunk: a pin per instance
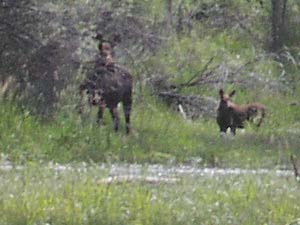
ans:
(179, 25)
(278, 24)
(169, 6)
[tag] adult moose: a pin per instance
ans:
(107, 88)
(233, 116)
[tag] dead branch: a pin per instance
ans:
(238, 70)
(295, 168)
(207, 77)
(189, 82)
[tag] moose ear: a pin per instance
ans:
(232, 93)
(82, 87)
(221, 93)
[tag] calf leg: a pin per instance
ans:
(233, 130)
(223, 130)
(115, 117)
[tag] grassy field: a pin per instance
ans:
(38, 194)
(159, 136)
(41, 195)
(236, 36)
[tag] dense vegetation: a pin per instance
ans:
(183, 47)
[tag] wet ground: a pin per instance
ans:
(149, 173)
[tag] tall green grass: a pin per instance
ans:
(37, 195)
(159, 135)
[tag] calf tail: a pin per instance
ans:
(253, 110)
(262, 109)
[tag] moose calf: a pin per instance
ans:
(233, 116)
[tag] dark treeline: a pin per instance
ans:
(44, 44)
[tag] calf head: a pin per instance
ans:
(225, 101)
(105, 49)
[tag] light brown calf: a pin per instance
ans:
(231, 115)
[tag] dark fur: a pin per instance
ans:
(233, 116)
(108, 88)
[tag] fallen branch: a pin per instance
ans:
(190, 106)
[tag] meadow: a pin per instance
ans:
(60, 167)
(79, 195)
(32, 191)
(159, 135)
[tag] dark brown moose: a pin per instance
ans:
(108, 88)
(233, 116)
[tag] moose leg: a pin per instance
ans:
(233, 130)
(127, 111)
(100, 113)
(81, 104)
(115, 117)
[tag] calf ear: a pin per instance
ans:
(232, 93)
(221, 93)
(91, 84)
